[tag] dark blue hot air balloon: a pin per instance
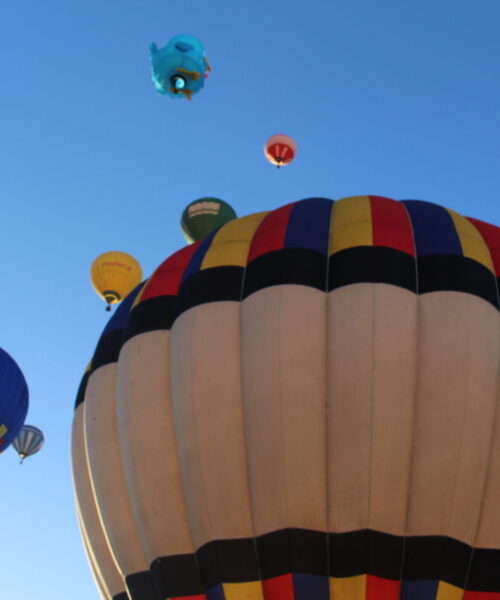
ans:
(13, 399)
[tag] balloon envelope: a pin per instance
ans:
(203, 216)
(114, 275)
(179, 69)
(14, 399)
(304, 405)
(280, 149)
(28, 442)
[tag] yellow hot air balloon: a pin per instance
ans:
(114, 275)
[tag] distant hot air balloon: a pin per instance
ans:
(280, 149)
(204, 215)
(114, 275)
(179, 69)
(304, 405)
(13, 399)
(28, 442)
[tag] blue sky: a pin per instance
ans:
(396, 98)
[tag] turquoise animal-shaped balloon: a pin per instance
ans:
(179, 69)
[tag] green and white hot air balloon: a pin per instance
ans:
(204, 215)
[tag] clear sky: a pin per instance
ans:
(399, 98)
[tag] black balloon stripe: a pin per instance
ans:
(141, 586)
(177, 575)
(293, 551)
(437, 558)
(372, 264)
(210, 285)
(365, 551)
(228, 561)
(82, 388)
(108, 349)
(360, 264)
(339, 555)
(153, 314)
(450, 272)
(286, 266)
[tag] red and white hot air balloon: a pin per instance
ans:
(280, 149)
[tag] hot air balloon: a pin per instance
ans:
(114, 275)
(13, 399)
(180, 68)
(280, 149)
(303, 405)
(204, 215)
(28, 442)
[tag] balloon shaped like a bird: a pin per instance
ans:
(180, 68)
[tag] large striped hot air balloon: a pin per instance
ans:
(303, 405)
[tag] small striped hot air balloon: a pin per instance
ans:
(280, 149)
(28, 442)
(114, 275)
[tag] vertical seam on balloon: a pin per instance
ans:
(278, 301)
(327, 353)
(80, 464)
(372, 395)
(455, 229)
(195, 549)
(139, 554)
(370, 444)
(244, 420)
(372, 346)
(197, 427)
(171, 353)
(181, 478)
(415, 398)
(83, 532)
(487, 473)
(466, 300)
(495, 418)
(136, 558)
(464, 412)
(92, 491)
(124, 364)
(100, 584)
(492, 264)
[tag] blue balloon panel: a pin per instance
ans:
(13, 399)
